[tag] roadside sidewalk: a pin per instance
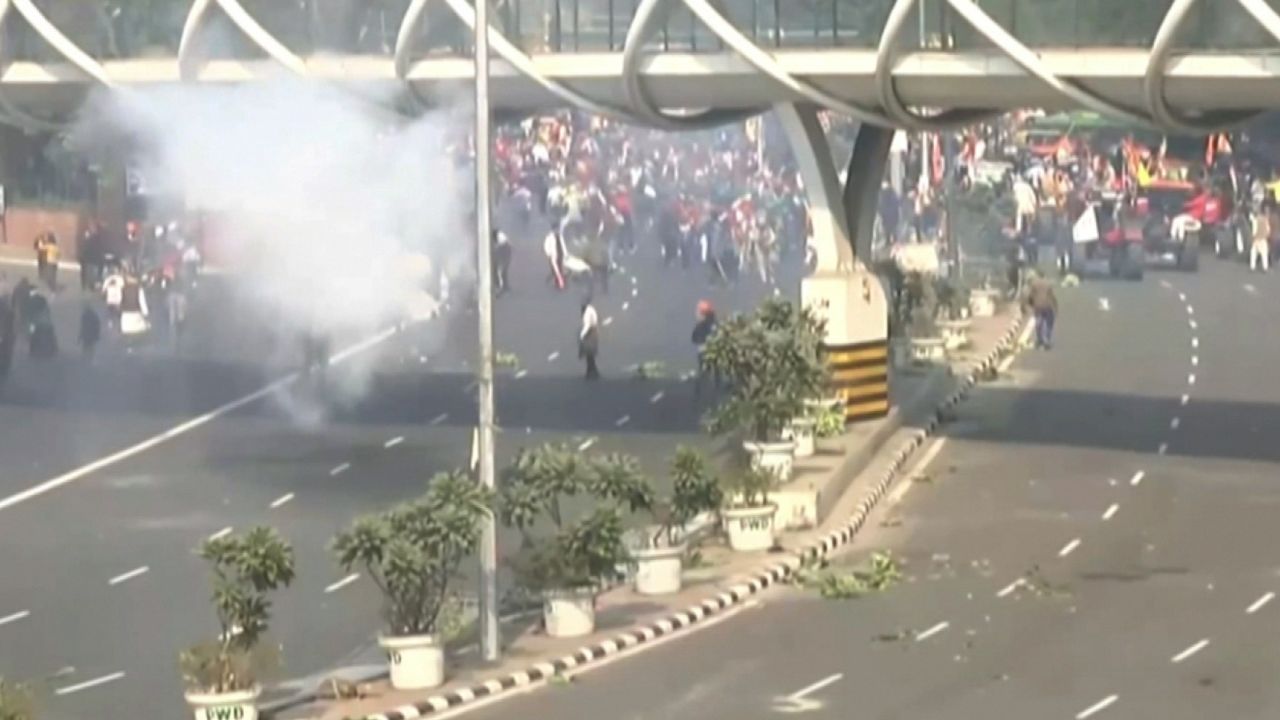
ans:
(723, 580)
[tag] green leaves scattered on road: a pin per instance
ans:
(17, 701)
(880, 573)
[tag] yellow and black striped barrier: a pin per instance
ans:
(860, 375)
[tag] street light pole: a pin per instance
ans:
(489, 640)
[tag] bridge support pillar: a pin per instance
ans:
(842, 289)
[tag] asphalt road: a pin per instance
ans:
(101, 587)
(1094, 537)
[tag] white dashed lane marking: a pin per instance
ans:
(608, 321)
(1097, 707)
(15, 617)
(221, 533)
(393, 441)
(1250, 288)
(586, 444)
(125, 577)
(338, 470)
(439, 418)
(1069, 548)
(656, 397)
(1111, 511)
(1164, 448)
(622, 420)
(521, 373)
(1195, 342)
(1184, 399)
(89, 684)
(1191, 379)
(1191, 310)
(552, 357)
(1008, 589)
(1174, 423)
(1255, 607)
(342, 583)
(1137, 477)
(1190, 651)
(626, 304)
(1182, 297)
(1193, 324)
(933, 631)
(281, 500)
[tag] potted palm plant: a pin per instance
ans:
(223, 676)
(17, 701)
(413, 553)
(747, 515)
(571, 564)
(771, 360)
(659, 555)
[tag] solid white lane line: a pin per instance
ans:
(521, 373)
(123, 577)
(1174, 423)
(439, 419)
(89, 684)
(1191, 379)
(656, 397)
(1137, 477)
(1185, 399)
(622, 421)
(342, 583)
(1008, 589)
(221, 533)
(1069, 548)
(15, 617)
(1164, 448)
(393, 441)
(1111, 511)
(1255, 607)
(1195, 360)
(933, 631)
(585, 444)
(281, 500)
(1190, 651)
(1195, 342)
(1097, 707)
(553, 356)
(182, 428)
(904, 487)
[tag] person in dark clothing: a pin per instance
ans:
(702, 331)
(8, 336)
(589, 339)
(501, 262)
(90, 330)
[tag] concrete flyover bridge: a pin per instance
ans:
(1184, 65)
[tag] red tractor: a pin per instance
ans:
(1151, 227)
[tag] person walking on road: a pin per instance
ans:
(501, 262)
(589, 339)
(1043, 304)
(1260, 247)
(90, 331)
(553, 247)
(703, 329)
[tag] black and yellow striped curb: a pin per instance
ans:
(695, 614)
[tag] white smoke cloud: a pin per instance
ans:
(323, 205)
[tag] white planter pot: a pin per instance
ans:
(928, 350)
(776, 457)
(569, 613)
(658, 570)
(749, 529)
(416, 661)
(800, 431)
(955, 333)
(982, 303)
(239, 705)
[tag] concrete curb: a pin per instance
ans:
(690, 616)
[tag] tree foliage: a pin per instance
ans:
(246, 570)
(772, 361)
(414, 551)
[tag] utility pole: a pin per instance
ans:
(489, 641)
(951, 160)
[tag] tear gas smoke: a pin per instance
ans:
(335, 219)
